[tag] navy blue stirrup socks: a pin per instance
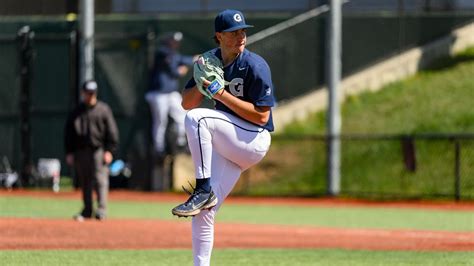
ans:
(203, 184)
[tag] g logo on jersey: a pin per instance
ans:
(236, 87)
(237, 18)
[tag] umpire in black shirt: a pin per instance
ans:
(91, 136)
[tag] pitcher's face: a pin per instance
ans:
(233, 41)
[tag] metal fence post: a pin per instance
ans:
(334, 113)
(86, 41)
(26, 52)
(457, 170)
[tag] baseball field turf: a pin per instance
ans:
(297, 232)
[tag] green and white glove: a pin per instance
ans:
(209, 67)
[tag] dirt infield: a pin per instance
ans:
(155, 234)
(27, 233)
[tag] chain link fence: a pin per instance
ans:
(372, 166)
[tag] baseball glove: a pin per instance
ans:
(209, 67)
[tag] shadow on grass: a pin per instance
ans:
(448, 62)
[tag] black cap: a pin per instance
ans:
(90, 86)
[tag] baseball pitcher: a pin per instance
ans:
(230, 138)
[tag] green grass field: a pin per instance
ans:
(344, 217)
(230, 257)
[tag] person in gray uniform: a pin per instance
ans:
(91, 137)
(163, 95)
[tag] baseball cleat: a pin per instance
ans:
(100, 217)
(199, 200)
(80, 218)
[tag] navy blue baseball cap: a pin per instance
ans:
(230, 20)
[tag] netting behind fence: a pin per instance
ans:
(390, 167)
(296, 49)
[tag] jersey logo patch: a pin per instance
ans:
(268, 91)
(236, 87)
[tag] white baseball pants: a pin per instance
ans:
(222, 146)
(163, 105)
